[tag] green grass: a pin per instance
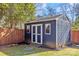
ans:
(24, 50)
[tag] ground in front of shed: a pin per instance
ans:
(24, 50)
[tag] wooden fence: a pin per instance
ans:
(11, 36)
(75, 37)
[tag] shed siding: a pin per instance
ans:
(50, 40)
(62, 32)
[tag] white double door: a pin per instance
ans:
(36, 34)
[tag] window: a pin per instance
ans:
(28, 28)
(48, 29)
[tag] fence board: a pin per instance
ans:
(10, 36)
(75, 37)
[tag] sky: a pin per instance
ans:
(42, 8)
(55, 4)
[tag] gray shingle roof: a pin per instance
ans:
(42, 19)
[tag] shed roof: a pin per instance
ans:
(43, 19)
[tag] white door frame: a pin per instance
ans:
(36, 33)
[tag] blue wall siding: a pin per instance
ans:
(48, 40)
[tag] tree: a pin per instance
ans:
(3, 10)
(41, 9)
(17, 13)
(76, 23)
(68, 10)
(77, 9)
(51, 11)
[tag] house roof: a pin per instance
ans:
(43, 19)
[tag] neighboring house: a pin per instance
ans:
(52, 31)
(20, 26)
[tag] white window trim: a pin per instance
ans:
(29, 28)
(49, 29)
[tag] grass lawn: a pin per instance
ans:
(24, 50)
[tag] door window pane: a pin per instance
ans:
(33, 38)
(39, 38)
(38, 29)
(33, 29)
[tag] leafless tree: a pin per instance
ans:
(51, 11)
(69, 10)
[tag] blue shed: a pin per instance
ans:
(51, 31)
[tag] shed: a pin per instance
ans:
(51, 31)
